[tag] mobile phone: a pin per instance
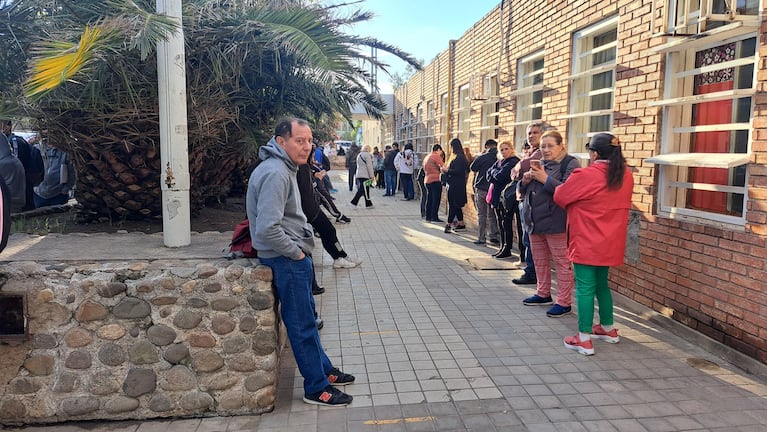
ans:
(535, 163)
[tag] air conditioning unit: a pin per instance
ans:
(476, 84)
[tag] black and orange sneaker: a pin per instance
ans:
(338, 378)
(330, 396)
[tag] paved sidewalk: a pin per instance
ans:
(438, 345)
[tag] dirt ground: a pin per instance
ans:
(218, 217)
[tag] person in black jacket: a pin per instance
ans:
(320, 222)
(481, 186)
(390, 171)
(31, 160)
(351, 163)
(500, 176)
(456, 172)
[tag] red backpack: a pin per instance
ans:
(241, 245)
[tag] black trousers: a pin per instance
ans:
(328, 235)
(433, 198)
(362, 191)
(506, 226)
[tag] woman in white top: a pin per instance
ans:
(365, 174)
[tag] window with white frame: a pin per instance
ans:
(490, 104)
(688, 17)
(443, 102)
(464, 113)
(409, 125)
(529, 95)
(592, 80)
(431, 115)
(709, 84)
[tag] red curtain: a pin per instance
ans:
(712, 142)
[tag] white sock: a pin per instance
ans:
(584, 336)
(608, 329)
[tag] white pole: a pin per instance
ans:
(174, 154)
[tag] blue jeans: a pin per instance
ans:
(390, 178)
(293, 284)
(407, 185)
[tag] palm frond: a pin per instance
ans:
(63, 61)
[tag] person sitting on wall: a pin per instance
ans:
(30, 160)
(59, 179)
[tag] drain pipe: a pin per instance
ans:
(450, 85)
(174, 142)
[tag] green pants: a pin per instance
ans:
(591, 281)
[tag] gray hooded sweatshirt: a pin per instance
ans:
(278, 226)
(13, 173)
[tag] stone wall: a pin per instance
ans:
(137, 340)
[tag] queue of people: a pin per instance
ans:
(532, 197)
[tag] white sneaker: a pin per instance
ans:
(343, 263)
(356, 261)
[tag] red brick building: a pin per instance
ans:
(682, 83)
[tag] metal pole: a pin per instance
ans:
(174, 153)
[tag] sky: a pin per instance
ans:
(422, 28)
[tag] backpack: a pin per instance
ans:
(241, 245)
(509, 195)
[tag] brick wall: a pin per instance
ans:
(708, 277)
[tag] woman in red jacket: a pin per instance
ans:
(597, 200)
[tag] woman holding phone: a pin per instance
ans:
(547, 223)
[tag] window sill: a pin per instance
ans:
(725, 222)
(703, 160)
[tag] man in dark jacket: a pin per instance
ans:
(390, 171)
(480, 166)
(30, 159)
(351, 163)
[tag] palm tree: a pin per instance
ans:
(248, 62)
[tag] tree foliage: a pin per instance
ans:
(92, 83)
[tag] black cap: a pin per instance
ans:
(602, 142)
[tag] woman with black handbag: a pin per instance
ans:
(365, 174)
(456, 174)
(499, 175)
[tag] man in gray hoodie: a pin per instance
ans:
(284, 241)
